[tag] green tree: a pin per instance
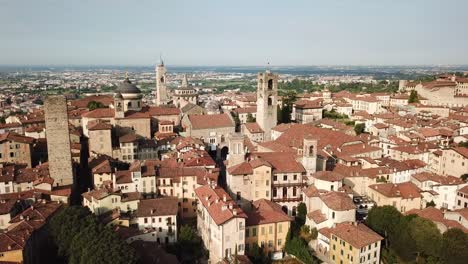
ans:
(284, 112)
(454, 248)
(298, 248)
(463, 144)
(314, 233)
(413, 98)
(359, 128)
(464, 176)
(301, 214)
(236, 119)
(250, 118)
(430, 204)
(426, 236)
(189, 247)
(92, 105)
(383, 219)
(257, 255)
(401, 240)
(80, 238)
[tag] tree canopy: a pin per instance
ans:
(412, 238)
(81, 238)
(92, 105)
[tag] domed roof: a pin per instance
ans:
(127, 87)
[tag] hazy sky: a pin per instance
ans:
(222, 32)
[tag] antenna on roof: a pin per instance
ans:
(268, 67)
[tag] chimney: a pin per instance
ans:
(224, 198)
(231, 206)
(234, 212)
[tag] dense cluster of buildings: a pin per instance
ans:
(147, 167)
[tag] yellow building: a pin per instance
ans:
(354, 243)
(403, 196)
(267, 226)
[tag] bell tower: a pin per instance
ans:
(161, 90)
(309, 155)
(119, 105)
(236, 150)
(267, 101)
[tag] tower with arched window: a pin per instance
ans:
(161, 89)
(236, 150)
(309, 154)
(267, 101)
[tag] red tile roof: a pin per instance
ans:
(157, 207)
(281, 162)
(328, 176)
(265, 212)
(253, 127)
(338, 201)
(358, 235)
(212, 198)
(210, 121)
(406, 190)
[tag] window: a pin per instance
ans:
(295, 177)
(254, 231)
(285, 177)
(333, 215)
(280, 228)
(146, 220)
(263, 230)
(270, 230)
(270, 84)
(247, 233)
(270, 243)
(275, 178)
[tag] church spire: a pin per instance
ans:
(184, 81)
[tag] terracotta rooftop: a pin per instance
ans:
(338, 201)
(219, 204)
(406, 190)
(358, 235)
(443, 180)
(253, 127)
(328, 176)
(264, 212)
(281, 162)
(210, 121)
(157, 207)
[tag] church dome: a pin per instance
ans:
(127, 87)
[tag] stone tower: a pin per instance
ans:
(119, 105)
(58, 140)
(236, 150)
(309, 155)
(267, 101)
(161, 90)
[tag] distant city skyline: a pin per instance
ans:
(240, 33)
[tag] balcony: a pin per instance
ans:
(287, 199)
(289, 184)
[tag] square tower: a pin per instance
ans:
(161, 89)
(267, 101)
(58, 140)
